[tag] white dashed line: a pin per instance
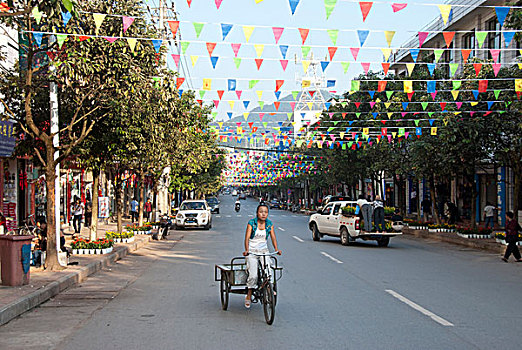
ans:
(282, 229)
(217, 216)
(419, 308)
(250, 215)
(239, 215)
(229, 216)
(284, 215)
(298, 239)
(332, 258)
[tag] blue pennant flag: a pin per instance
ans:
(303, 115)
(332, 145)
(350, 122)
(38, 37)
(66, 16)
(213, 60)
(245, 103)
(490, 103)
(431, 68)
(405, 105)
(502, 13)
(414, 54)
(476, 94)
(375, 114)
(432, 121)
(363, 35)
(371, 93)
(277, 94)
(157, 44)
(508, 36)
(225, 29)
(418, 131)
(348, 129)
(432, 86)
(229, 115)
(327, 105)
(180, 93)
(284, 50)
(231, 84)
(293, 5)
(324, 64)
(330, 83)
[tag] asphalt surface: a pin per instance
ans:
(414, 294)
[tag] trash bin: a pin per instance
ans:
(15, 255)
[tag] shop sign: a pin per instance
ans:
(103, 207)
(7, 138)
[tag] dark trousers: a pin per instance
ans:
(378, 214)
(134, 215)
(512, 248)
(88, 219)
(77, 223)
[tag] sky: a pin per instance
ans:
(310, 14)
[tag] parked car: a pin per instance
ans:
(194, 213)
(213, 203)
(274, 204)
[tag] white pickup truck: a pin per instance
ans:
(330, 221)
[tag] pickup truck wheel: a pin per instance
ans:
(383, 242)
(316, 235)
(345, 237)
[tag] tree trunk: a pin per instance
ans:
(474, 195)
(94, 206)
(517, 173)
(118, 194)
(51, 260)
(434, 196)
(142, 198)
(418, 201)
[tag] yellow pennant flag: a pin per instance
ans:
(341, 134)
(387, 104)
(245, 115)
(518, 85)
(445, 12)
(231, 103)
(310, 104)
(259, 49)
(306, 83)
(410, 67)
(386, 53)
(445, 122)
(455, 94)
(239, 130)
(306, 64)
(132, 43)
(408, 86)
(366, 131)
(98, 20)
(390, 114)
(220, 124)
(258, 1)
(389, 34)
(248, 30)
(474, 103)
(207, 83)
(457, 113)
(519, 65)
(194, 59)
(319, 144)
(434, 130)
(394, 133)
(259, 94)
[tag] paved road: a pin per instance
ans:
(412, 295)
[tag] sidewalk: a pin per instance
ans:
(45, 284)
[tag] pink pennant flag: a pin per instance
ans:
(127, 21)
(496, 68)
(218, 3)
(261, 115)
(366, 67)
(495, 53)
(355, 52)
(284, 63)
(397, 7)
(278, 31)
(404, 114)
(110, 39)
(235, 48)
(433, 95)
(292, 105)
(238, 93)
(422, 37)
(372, 104)
(216, 103)
(459, 104)
(176, 59)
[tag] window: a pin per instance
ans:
(468, 42)
(494, 39)
(336, 209)
(327, 210)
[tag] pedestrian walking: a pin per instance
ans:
(489, 215)
(366, 210)
(378, 215)
(426, 208)
(148, 209)
(88, 213)
(78, 211)
(134, 210)
(512, 230)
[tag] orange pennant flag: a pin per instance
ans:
(385, 67)
(332, 50)
(465, 54)
(478, 67)
(448, 38)
(259, 61)
(279, 83)
(304, 34)
(174, 25)
(210, 48)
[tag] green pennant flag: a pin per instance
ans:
(305, 51)
(68, 5)
(198, 27)
(333, 34)
(214, 115)
(350, 144)
(261, 104)
(497, 93)
(402, 131)
(331, 128)
(481, 37)
(265, 124)
(336, 122)
(430, 114)
(201, 93)
(60, 38)
(344, 104)
(345, 65)
(438, 54)
(329, 7)
(417, 122)
(289, 115)
(357, 114)
(456, 84)
(453, 68)
(356, 84)
(424, 105)
(237, 62)
(344, 146)
(184, 46)
(294, 94)
(389, 94)
(252, 83)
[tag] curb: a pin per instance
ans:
(32, 300)
(492, 247)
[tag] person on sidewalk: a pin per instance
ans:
(366, 211)
(426, 208)
(378, 215)
(88, 213)
(512, 230)
(489, 215)
(134, 209)
(78, 210)
(148, 209)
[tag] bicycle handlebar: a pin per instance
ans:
(269, 254)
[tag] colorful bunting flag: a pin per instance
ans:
(98, 20)
(198, 27)
(388, 34)
(278, 31)
(422, 38)
(397, 7)
(225, 29)
(247, 31)
(127, 22)
(329, 7)
(445, 12)
(365, 8)
(293, 5)
(333, 34)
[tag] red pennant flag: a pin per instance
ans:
(220, 93)
(189, 2)
(83, 37)
(279, 83)
(332, 50)
(254, 129)
(443, 105)
(357, 104)
(304, 34)
(448, 38)
(385, 67)
(382, 85)
(344, 114)
(397, 7)
(410, 95)
(235, 48)
(478, 67)
(483, 85)
(465, 54)
(250, 124)
(284, 64)
(200, 102)
(174, 25)
(365, 8)
(259, 61)
(216, 103)
(278, 31)
(210, 48)
(179, 82)
(276, 104)
(218, 3)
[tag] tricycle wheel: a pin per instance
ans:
(383, 242)
(269, 303)
(225, 289)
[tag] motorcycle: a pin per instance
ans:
(238, 207)
(163, 231)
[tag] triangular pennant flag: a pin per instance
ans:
(231, 103)
(481, 37)
(366, 67)
(422, 37)
(386, 53)
(36, 14)
(333, 34)
(496, 68)
(179, 82)
(389, 94)
(414, 54)
(424, 105)
(305, 50)
(478, 67)
(475, 94)
(508, 36)
(98, 20)
(237, 62)
(366, 6)
(293, 5)
(174, 25)
(438, 53)
(345, 66)
(276, 104)
(184, 46)
(397, 7)
(66, 16)
(132, 44)
(304, 34)
(198, 27)
(448, 38)
(194, 59)
(483, 85)
(127, 22)
(445, 12)
(389, 34)
(207, 84)
(385, 67)
(277, 94)
(247, 31)
(225, 29)
(220, 93)
(235, 48)
(189, 2)
(259, 94)
(458, 104)
(497, 93)
(306, 64)
(278, 31)
(381, 85)
(294, 94)
(284, 64)
(60, 38)
(495, 54)
(284, 50)
(261, 104)
(210, 48)
(363, 35)
(455, 94)
(453, 68)
(465, 54)
(502, 13)
(157, 44)
(324, 64)
(456, 84)
(238, 93)
(410, 67)
(259, 49)
(246, 103)
(218, 3)
(355, 52)
(214, 60)
(329, 7)
(279, 83)
(38, 38)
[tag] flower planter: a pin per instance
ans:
(98, 251)
(75, 251)
(92, 251)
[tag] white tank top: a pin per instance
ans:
(259, 242)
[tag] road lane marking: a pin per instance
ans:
(229, 216)
(419, 308)
(332, 258)
(217, 216)
(239, 215)
(298, 239)
(282, 229)
(284, 215)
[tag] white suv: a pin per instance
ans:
(194, 213)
